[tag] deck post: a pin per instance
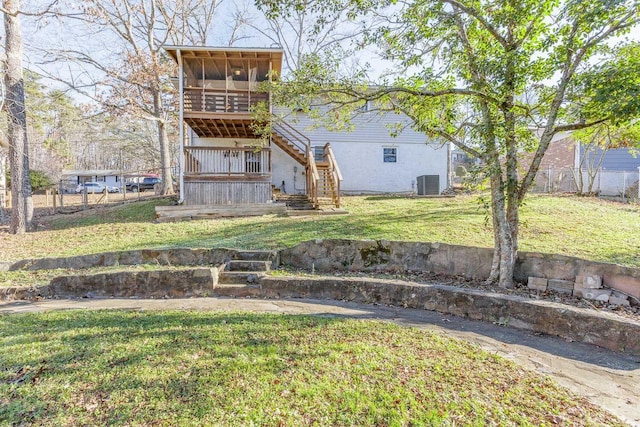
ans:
(181, 136)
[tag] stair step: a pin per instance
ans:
(237, 291)
(292, 199)
(292, 196)
(255, 255)
(325, 201)
(240, 277)
(242, 265)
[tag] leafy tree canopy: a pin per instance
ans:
(492, 77)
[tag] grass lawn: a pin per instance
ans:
(202, 368)
(582, 227)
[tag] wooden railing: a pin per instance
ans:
(227, 161)
(334, 171)
(293, 135)
(313, 178)
(221, 101)
(320, 184)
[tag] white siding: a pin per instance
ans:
(283, 171)
(360, 154)
(363, 168)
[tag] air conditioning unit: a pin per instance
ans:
(428, 185)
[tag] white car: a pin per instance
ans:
(95, 187)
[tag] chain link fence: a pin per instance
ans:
(621, 185)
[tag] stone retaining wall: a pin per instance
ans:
(471, 262)
(197, 282)
(177, 256)
(609, 331)
(589, 326)
(365, 255)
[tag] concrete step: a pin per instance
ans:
(237, 291)
(242, 265)
(240, 277)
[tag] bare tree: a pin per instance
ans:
(21, 199)
(308, 27)
(123, 66)
(194, 20)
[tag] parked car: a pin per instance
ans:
(95, 187)
(145, 184)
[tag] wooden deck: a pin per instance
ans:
(232, 125)
(226, 192)
(247, 162)
(219, 89)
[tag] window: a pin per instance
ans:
(318, 153)
(390, 155)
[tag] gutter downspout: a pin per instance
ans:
(181, 94)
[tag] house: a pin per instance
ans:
(617, 159)
(370, 159)
(71, 178)
(618, 174)
(569, 166)
(225, 162)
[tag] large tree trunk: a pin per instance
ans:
(21, 200)
(3, 181)
(504, 253)
(494, 276)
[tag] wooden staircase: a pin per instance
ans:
(326, 186)
(323, 178)
(298, 152)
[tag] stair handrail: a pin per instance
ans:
(312, 177)
(334, 169)
(296, 137)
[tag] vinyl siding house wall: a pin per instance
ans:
(360, 153)
(619, 159)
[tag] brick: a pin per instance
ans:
(537, 283)
(564, 286)
(597, 294)
(588, 282)
(619, 301)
